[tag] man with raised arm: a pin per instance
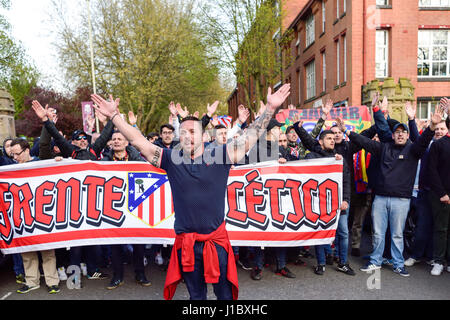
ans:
(398, 162)
(202, 252)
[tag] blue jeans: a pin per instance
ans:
(392, 211)
(321, 252)
(280, 253)
(423, 242)
(18, 264)
(341, 240)
(195, 280)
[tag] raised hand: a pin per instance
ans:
(39, 110)
(196, 114)
(437, 116)
(243, 114)
(327, 107)
(375, 99)
(410, 109)
(341, 125)
(173, 109)
(277, 99)
(132, 119)
(183, 113)
(108, 108)
(211, 109)
(445, 104)
(384, 105)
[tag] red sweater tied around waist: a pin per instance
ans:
(185, 242)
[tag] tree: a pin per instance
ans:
(68, 108)
(17, 74)
(147, 52)
(247, 42)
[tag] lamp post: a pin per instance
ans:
(91, 45)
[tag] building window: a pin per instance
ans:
(324, 72)
(338, 63)
(345, 6)
(425, 109)
(344, 40)
(297, 44)
(337, 9)
(433, 53)
(323, 16)
(299, 79)
(381, 54)
(434, 3)
(382, 2)
(310, 34)
(311, 80)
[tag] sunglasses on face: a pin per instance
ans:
(81, 138)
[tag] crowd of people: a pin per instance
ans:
(391, 170)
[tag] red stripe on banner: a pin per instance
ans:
(280, 236)
(161, 233)
(162, 198)
(151, 210)
(141, 211)
(327, 169)
(56, 170)
(90, 234)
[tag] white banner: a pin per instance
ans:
(49, 205)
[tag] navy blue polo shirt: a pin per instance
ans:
(198, 188)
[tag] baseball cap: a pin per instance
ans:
(400, 125)
(77, 133)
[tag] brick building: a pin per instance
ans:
(338, 46)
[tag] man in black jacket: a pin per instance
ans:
(439, 181)
(166, 139)
(397, 171)
(122, 151)
(325, 147)
(80, 148)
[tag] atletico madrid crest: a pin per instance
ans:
(149, 196)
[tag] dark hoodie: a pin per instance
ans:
(5, 160)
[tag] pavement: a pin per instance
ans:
(333, 285)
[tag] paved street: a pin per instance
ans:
(306, 286)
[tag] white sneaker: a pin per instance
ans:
(62, 274)
(410, 262)
(437, 269)
(448, 268)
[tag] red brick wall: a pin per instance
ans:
(359, 23)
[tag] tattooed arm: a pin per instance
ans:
(239, 147)
(147, 149)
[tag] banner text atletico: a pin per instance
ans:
(48, 205)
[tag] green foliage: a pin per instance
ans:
(147, 52)
(247, 42)
(17, 73)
